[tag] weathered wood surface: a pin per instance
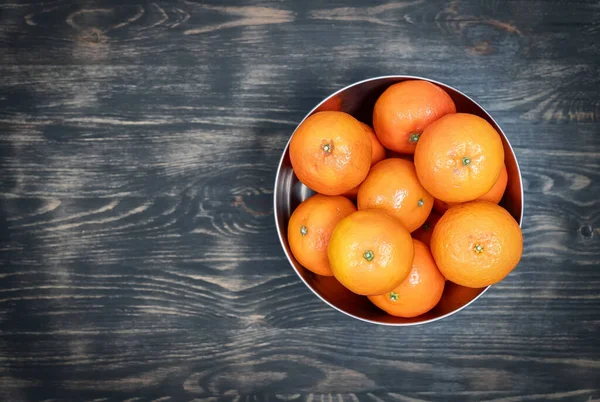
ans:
(138, 146)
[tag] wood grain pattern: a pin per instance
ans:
(138, 253)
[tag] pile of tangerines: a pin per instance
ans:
(426, 182)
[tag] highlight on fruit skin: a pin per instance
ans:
(330, 152)
(476, 244)
(420, 292)
(392, 185)
(310, 227)
(370, 252)
(459, 157)
(405, 109)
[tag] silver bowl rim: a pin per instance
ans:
(276, 191)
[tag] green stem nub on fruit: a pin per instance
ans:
(414, 137)
(466, 161)
(327, 147)
(393, 296)
(369, 255)
(303, 230)
(421, 202)
(478, 248)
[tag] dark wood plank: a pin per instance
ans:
(138, 147)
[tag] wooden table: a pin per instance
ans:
(138, 251)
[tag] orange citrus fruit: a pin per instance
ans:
(378, 154)
(476, 244)
(330, 152)
(426, 230)
(419, 292)
(494, 195)
(310, 228)
(405, 109)
(459, 157)
(370, 252)
(392, 185)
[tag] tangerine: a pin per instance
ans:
(392, 185)
(370, 252)
(476, 244)
(494, 195)
(330, 152)
(419, 292)
(405, 109)
(310, 228)
(459, 157)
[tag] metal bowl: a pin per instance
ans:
(358, 100)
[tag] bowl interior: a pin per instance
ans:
(358, 100)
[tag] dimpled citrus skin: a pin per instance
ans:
(476, 244)
(392, 185)
(370, 252)
(331, 152)
(405, 109)
(310, 228)
(459, 157)
(419, 292)
(494, 195)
